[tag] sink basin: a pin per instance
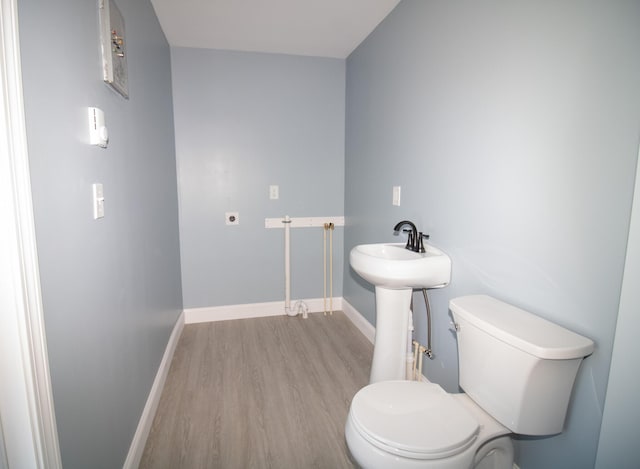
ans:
(390, 265)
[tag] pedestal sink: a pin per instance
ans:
(395, 272)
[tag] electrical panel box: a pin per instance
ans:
(112, 38)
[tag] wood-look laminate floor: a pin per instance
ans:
(260, 393)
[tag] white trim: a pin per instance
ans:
(252, 310)
(229, 312)
(303, 222)
(276, 308)
(26, 404)
(359, 321)
(146, 419)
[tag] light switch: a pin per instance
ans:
(98, 201)
(396, 195)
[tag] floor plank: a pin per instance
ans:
(260, 393)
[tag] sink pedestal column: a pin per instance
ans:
(390, 346)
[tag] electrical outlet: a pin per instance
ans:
(232, 218)
(274, 192)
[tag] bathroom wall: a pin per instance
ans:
(620, 432)
(245, 121)
(513, 130)
(110, 287)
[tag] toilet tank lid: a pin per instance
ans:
(525, 331)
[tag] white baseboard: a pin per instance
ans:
(359, 321)
(146, 419)
(253, 310)
(276, 308)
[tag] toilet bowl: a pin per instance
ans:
(517, 371)
(410, 424)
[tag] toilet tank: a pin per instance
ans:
(518, 367)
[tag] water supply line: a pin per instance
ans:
(324, 266)
(331, 227)
(414, 373)
(300, 306)
(411, 356)
(428, 350)
(419, 351)
(328, 227)
(414, 360)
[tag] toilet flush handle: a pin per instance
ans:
(455, 327)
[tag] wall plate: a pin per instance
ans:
(112, 39)
(232, 218)
(396, 196)
(98, 201)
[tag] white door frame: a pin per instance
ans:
(27, 418)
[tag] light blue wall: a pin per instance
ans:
(111, 288)
(513, 129)
(245, 121)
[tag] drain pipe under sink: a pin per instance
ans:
(300, 306)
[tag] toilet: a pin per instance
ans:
(517, 372)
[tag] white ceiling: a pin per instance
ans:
(323, 28)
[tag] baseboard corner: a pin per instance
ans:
(134, 456)
(358, 320)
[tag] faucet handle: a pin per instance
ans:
(422, 237)
(410, 241)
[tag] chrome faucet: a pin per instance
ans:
(415, 239)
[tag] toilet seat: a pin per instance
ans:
(416, 420)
